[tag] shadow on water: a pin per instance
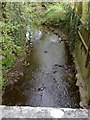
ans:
(48, 78)
(14, 93)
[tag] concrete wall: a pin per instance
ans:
(84, 73)
(81, 55)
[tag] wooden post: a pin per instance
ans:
(88, 52)
(88, 55)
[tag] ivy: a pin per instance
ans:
(74, 27)
(12, 35)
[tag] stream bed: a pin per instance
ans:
(48, 78)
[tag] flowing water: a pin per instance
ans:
(47, 79)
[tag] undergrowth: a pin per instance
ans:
(57, 15)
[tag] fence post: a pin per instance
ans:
(88, 52)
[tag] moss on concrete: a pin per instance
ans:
(83, 76)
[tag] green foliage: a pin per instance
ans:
(36, 13)
(61, 15)
(73, 29)
(15, 19)
(57, 14)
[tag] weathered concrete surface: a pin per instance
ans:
(83, 75)
(82, 10)
(42, 112)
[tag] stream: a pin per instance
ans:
(48, 79)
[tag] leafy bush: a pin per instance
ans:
(57, 14)
(15, 18)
